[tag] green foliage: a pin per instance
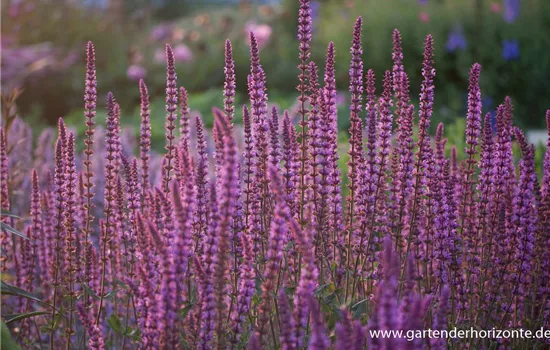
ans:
(204, 30)
(8, 289)
(525, 79)
(18, 317)
(67, 26)
(7, 341)
(9, 229)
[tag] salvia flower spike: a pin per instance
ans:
(275, 242)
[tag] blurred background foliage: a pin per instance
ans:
(43, 51)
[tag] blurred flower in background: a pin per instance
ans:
(511, 10)
(424, 17)
(456, 40)
(182, 53)
(20, 63)
(161, 32)
(261, 31)
(42, 39)
(510, 50)
(496, 7)
(136, 72)
(315, 11)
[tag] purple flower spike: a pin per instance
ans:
(201, 213)
(304, 31)
(304, 39)
(229, 84)
(274, 153)
(228, 198)
(473, 124)
(288, 335)
(427, 93)
(171, 116)
(145, 136)
(384, 146)
(319, 339)
(185, 128)
(526, 219)
(254, 342)
(372, 171)
(90, 102)
(440, 319)
(95, 341)
(344, 330)
(290, 158)
(331, 138)
(70, 228)
(4, 196)
(258, 101)
(274, 251)
(399, 78)
(543, 233)
(546, 162)
(40, 244)
(356, 163)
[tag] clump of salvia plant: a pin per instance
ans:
(266, 241)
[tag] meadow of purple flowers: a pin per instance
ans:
(254, 246)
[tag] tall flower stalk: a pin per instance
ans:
(265, 243)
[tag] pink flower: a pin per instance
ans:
(424, 17)
(183, 53)
(261, 31)
(136, 72)
(496, 7)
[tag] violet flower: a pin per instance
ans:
(319, 339)
(274, 152)
(440, 319)
(356, 163)
(288, 335)
(274, 255)
(229, 83)
(185, 128)
(145, 136)
(201, 179)
(171, 116)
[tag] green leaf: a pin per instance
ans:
(123, 284)
(7, 342)
(7, 213)
(17, 317)
(359, 308)
(90, 291)
(8, 289)
(135, 334)
(290, 245)
(10, 229)
(324, 289)
(114, 323)
(184, 311)
(111, 294)
(57, 320)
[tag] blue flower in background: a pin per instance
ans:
(423, 2)
(315, 13)
(456, 40)
(315, 9)
(510, 50)
(511, 10)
